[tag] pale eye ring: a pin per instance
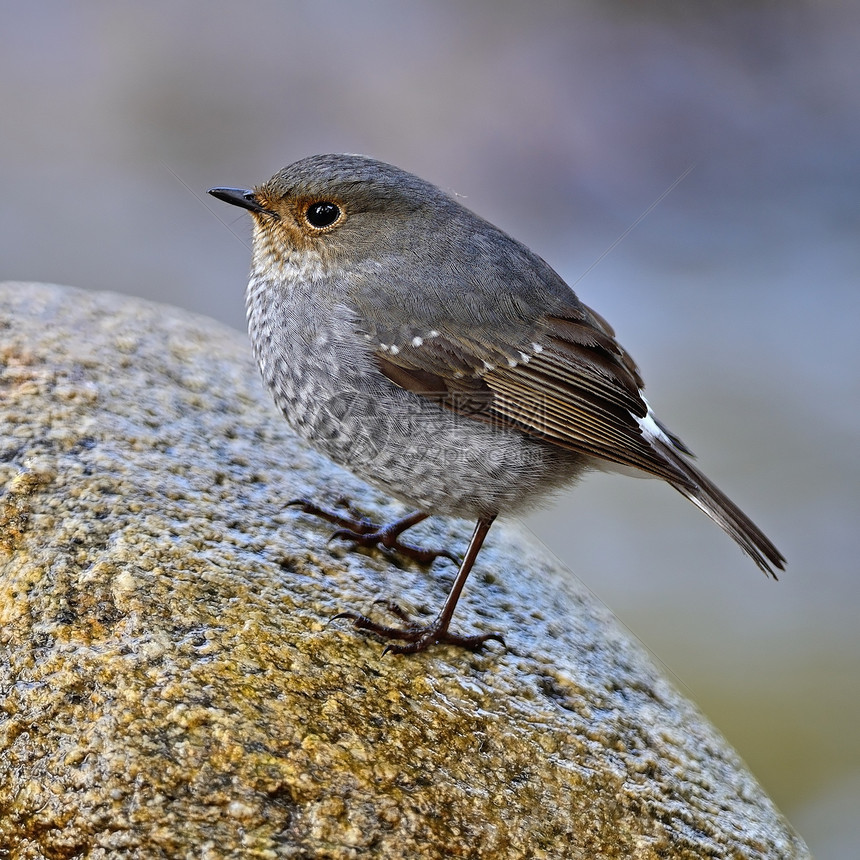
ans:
(322, 214)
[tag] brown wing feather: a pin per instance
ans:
(580, 391)
(589, 416)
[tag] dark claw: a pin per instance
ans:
(431, 637)
(414, 638)
(367, 534)
(393, 608)
(386, 538)
(355, 525)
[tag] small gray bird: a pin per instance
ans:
(441, 360)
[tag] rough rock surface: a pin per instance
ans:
(171, 684)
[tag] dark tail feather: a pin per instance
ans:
(725, 513)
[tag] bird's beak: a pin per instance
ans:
(241, 197)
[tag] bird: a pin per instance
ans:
(444, 362)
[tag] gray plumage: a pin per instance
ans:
(438, 358)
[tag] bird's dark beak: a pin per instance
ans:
(241, 197)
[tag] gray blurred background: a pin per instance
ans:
(563, 122)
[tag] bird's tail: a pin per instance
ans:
(724, 512)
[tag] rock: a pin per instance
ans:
(172, 683)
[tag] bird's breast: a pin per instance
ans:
(320, 366)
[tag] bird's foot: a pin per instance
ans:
(368, 534)
(413, 637)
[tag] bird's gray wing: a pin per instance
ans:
(565, 379)
(562, 378)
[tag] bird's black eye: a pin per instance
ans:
(322, 214)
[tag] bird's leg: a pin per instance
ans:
(366, 533)
(414, 637)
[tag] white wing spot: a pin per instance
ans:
(394, 349)
(649, 427)
(537, 348)
(488, 367)
(432, 333)
(417, 341)
(511, 362)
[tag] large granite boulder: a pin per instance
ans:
(172, 685)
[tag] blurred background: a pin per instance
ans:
(563, 122)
